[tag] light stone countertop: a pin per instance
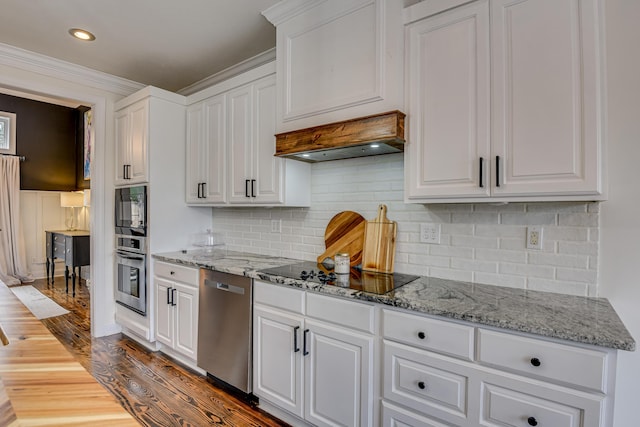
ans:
(567, 317)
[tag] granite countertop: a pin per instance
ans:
(567, 317)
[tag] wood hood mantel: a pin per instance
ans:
(364, 136)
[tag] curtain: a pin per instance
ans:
(13, 265)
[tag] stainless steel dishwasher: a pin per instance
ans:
(224, 327)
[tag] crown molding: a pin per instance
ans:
(287, 9)
(48, 66)
(239, 68)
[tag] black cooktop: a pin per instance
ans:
(367, 281)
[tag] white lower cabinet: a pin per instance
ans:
(328, 361)
(320, 371)
(176, 304)
(512, 380)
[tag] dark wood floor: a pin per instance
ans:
(151, 386)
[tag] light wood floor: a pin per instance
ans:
(154, 388)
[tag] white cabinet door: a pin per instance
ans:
(277, 366)
(186, 319)
(239, 137)
(338, 376)
(196, 149)
(139, 142)
(448, 75)
(337, 59)
(267, 168)
(164, 312)
(122, 145)
(206, 161)
(132, 144)
(547, 115)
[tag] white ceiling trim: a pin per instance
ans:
(41, 64)
(241, 67)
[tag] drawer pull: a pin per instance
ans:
(535, 362)
(172, 273)
(532, 421)
(421, 385)
(422, 335)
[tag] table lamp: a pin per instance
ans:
(71, 200)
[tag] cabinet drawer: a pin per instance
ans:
(394, 416)
(427, 382)
(178, 273)
(513, 405)
(282, 297)
(556, 362)
(355, 315)
(430, 334)
(58, 247)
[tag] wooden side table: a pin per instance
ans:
(73, 248)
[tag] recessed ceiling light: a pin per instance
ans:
(306, 155)
(82, 34)
(374, 145)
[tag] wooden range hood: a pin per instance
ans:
(364, 136)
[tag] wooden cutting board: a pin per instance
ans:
(344, 233)
(379, 243)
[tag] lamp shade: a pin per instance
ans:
(71, 200)
(87, 197)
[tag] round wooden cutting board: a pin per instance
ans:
(344, 233)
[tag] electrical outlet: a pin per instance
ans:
(534, 237)
(430, 233)
(276, 226)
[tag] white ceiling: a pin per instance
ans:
(165, 43)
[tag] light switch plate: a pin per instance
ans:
(276, 225)
(430, 233)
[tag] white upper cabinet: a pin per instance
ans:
(132, 143)
(231, 146)
(336, 59)
(206, 149)
(504, 101)
(448, 104)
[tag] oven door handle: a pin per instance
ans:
(122, 255)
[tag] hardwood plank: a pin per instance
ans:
(43, 382)
(151, 386)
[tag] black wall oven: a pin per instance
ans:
(131, 210)
(131, 248)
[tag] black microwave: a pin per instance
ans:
(131, 210)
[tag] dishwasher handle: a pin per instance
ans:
(224, 287)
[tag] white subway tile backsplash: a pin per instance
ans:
(528, 218)
(500, 280)
(480, 243)
(578, 219)
(474, 242)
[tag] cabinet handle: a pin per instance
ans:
(172, 273)
(295, 339)
(497, 171)
(532, 421)
(421, 385)
(199, 192)
(422, 335)
(536, 362)
(204, 190)
(168, 296)
(253, 188)
(481, 173)
(246, 188)
(173, 297)
(304, 342)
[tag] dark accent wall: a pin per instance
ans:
(50, 137)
